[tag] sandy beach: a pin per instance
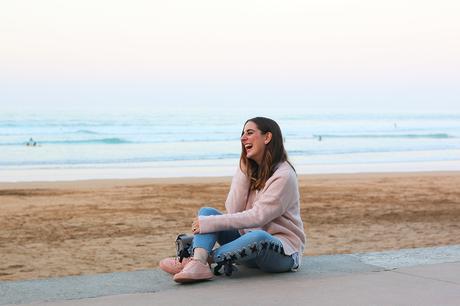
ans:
(85, 227)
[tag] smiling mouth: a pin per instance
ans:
(248, 146)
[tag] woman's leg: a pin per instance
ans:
(198, 268)
(256, 248)
(205, 242)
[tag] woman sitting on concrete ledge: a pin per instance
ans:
(262, 227)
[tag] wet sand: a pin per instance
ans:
(85, 227)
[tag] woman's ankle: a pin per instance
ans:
(201, 255)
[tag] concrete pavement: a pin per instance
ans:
(425, 276)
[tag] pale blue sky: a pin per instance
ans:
(395, 54)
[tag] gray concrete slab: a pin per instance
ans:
(367, 288)
(77, 287)
(323, 280)
(442, 272)
(411, 257)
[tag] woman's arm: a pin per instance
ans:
(238, 194)
(281, 190)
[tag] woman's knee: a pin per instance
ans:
(208, 211)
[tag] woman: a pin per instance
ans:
(262, 227)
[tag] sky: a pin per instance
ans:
(332, 54)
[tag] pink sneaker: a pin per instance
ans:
(172, 265)
(194, 271)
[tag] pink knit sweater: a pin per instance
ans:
(274, 209)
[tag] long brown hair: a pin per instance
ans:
(273, 155)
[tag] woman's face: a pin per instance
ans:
(254, 142)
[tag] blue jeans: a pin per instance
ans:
(255, 249)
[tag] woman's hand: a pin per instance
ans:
(196, 226)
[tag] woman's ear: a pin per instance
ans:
(268, 137)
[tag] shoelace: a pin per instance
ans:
(228, 266)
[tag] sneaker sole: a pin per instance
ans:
(186, 279)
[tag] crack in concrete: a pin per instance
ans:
(426, 277)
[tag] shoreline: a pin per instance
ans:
(206, 169)
(203, 180)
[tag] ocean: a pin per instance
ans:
(210, 137)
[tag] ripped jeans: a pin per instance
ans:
(255, 249)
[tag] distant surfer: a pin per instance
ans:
(31, 143)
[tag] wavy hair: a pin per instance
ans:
(273, 155)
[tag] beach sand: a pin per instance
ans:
(84, 227)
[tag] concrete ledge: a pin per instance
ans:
(315, 270)
(411, 257)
